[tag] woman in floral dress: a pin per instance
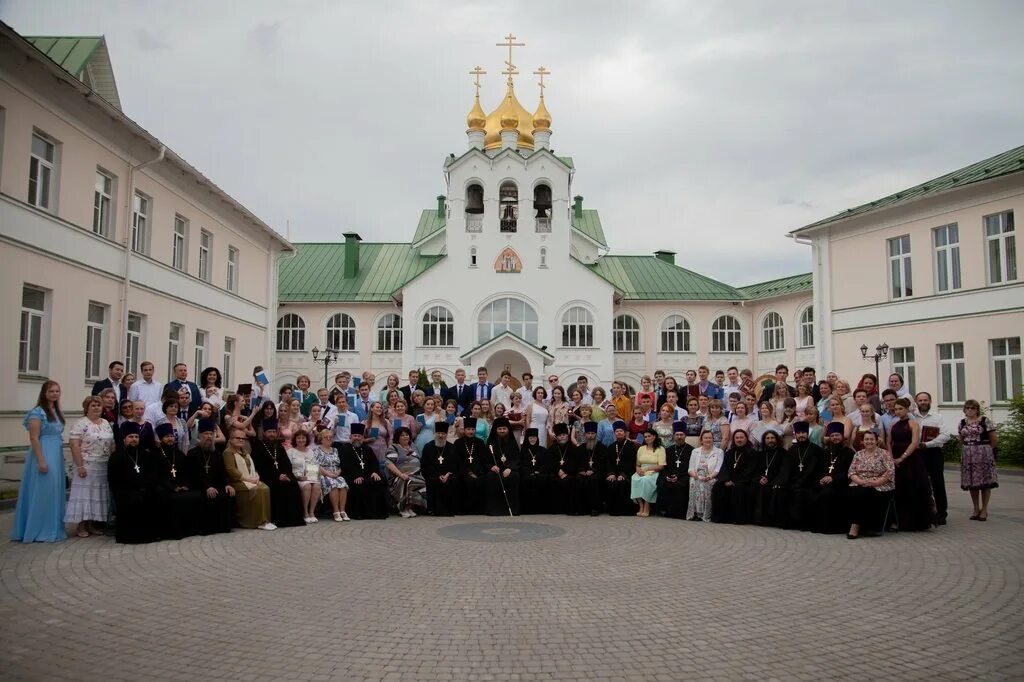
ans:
(332, 484)
(705, 463)
(978, 464)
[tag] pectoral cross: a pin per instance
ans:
(471, 459)
(679, 463)
(533, 461)
(503, 460)
(174, 472)
(510, 42)
(830, 467)
(800, 466)
(137, 469)
(591, 463)
(207, 467)
(440, 459)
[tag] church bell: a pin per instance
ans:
(542, 200)
(475, 199)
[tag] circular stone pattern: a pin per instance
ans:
(497, 531)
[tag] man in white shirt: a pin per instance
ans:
(732, 383)
(934, 435)
(552, 382)
(155, 411)
(344, 419)
(583, 385)
(502, 393)
(146, 389)
(526, 390)
(860, 397)
(327, 411)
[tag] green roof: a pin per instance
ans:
(590, 225)
(1001, 164)
(71, 52)
(779, 287)
(430, 222)
(495, 339)
(316, 273)
(567, 160)
(647, 278)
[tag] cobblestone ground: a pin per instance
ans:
(608, 598)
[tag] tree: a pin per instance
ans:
(1011, 434)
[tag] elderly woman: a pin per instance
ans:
(307, 473)
(897, 384)
(978, 464)
(406, 485)
(333, 485)
(705, 463)
(92, 441)
(871, 475)
(650, 460)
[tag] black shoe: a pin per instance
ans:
(850, 536)
(942, 521)
(976, 517)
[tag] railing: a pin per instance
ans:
(508, 225)
(474, 222)
(543, 224)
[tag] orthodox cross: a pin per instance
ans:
(477, 72)
(510, 42)
(541, 71)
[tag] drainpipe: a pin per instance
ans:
(126, 282)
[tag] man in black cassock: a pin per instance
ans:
(674, 481)
(732, 497)
(620, 469)
(796, 480)
(536, 476)
(831, 482)
(275, 470)
(367, 490)
(589, 460)
(769, 463)
(208, 475)
(565, 471)
(474, 458)
(501, 482)
(181, 507)
(440, 469)
(131, 473)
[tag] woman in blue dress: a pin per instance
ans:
(426, 422)
(41, 497)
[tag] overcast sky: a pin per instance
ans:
(709, 128)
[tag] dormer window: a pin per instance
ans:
(542, 205)
(508, 207)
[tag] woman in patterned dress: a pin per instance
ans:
(717, 423)
(406, 484)
(694, 422)
(872, 481)
(306, 472)
(705, 463)
(332, 484)
(92, 441)
(978, 464)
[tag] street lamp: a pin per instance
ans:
(325, 357)
(881, 351)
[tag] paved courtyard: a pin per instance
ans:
(604, 598)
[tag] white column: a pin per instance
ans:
(476, 139)
(541, 139)
(509, 139)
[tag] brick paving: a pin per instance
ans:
(609, 599)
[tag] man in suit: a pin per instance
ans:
(115, 371)
(462, 393)
(363, 401)
(707, 387)
(181, 381)
(414, 380)
(437, 387)
(691, 390)
(482, 388)
(781, 374)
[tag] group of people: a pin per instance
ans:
(153, 461)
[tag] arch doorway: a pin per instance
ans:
(510, 360)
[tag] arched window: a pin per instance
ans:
(291, 333)
(508, 206)
(772, 336)
(507, 314)
(807, 327)
(472, 256)
(675, 335)
(725, 335)
(474, 208)
(438, 327)
(542, 205)
(543, 257)
(389, 332)
(341, 332)
(625, 334)
(577, 328)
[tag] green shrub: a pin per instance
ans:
(1011, 434)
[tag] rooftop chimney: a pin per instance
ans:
(667, 256)
(577, 206)
(351, 254)
(440, 206)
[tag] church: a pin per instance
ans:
(512, 271)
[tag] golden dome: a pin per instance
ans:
(476, 119)
(542, 117)
(511, 112)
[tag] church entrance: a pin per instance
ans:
(507, 360)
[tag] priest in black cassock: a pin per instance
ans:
(275, 470)
(474, 459)
(733, 495)
(565, 470)
(367, 489)
(831, 482)
(208, 475)
(440, 469)
(536, 476)
(769, 462)
(501, 482)
(589, 460)
(796, 480)
(674, 481)
(181, 507)
(131, 474)
(619, 472)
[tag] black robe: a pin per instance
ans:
(442, 496)
(674, 481)
(735, 503)
(537, 480)
(563, 462)
(134, 494)
(794, 486)
(589, 466)
(271, 461)
(621, 464)
(181, 506)
(474, 460)
(767, 467)
(828, 508)
(503, 453)
(206, 470)
(367, 498)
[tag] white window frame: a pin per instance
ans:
(675, 335)
(577, 328)
(133, 347)
(291, 333)
(955, 367)
(232, 270)
(726, 339)
(228, 361)
(901, 275)
(773, 332)
(179, 244)
(805, 321)
(95, 350)
(946, 244)
(142, 208)
(389, 333)
(1006, 368)
(525, 328)
(174, 348)
(205, 252)
(341, 329)
(625, 334)
(904, 363)
(1004, 241)
(42, 172)
(103, 204)
(33, 334)
(438, 327)
(202, 349)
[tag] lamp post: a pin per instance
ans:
(881, 351)
(325, 357)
